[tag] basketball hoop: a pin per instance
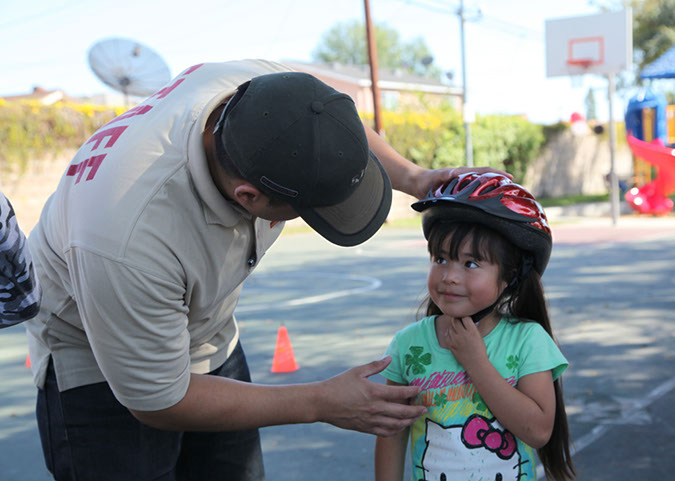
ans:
(578, 68)
(581, 63)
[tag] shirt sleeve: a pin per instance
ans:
(540, 353)
(19, 288)
(394, 371)
(136, 324)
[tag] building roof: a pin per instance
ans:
(43, 96)
(389, 79)
(662, 67)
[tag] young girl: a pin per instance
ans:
(484, 355)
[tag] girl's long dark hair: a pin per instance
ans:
(525, 302)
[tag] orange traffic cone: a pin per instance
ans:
(284, 360)
(27, 360)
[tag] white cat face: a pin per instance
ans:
(479, 450)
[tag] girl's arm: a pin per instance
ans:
(390, 453)
(528, 411)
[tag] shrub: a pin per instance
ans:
(436, 139)
(30, 130)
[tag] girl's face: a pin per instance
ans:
(464, 286)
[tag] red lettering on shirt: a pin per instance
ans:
(160, 94)
(78, 169)
(138, 110)
(114, 134)
(191, 69)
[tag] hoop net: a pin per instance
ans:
(582, 66)
(584, 63)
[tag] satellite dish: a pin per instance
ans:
(128, 66)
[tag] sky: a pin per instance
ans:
(45, 43)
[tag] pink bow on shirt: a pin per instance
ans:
(478, 433)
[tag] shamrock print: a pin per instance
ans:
(417, 360)
(441, 399)
(512, 362)
(480, 404)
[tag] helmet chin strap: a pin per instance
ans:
(484, 312)
(525, 267)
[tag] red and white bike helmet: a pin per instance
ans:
(495, 201)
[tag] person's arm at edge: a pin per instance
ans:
(410, 178)
(348, 400)
(390, 453)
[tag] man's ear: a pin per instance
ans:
(247, 195)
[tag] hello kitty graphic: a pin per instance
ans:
(480, 449)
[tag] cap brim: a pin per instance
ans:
(357, 218)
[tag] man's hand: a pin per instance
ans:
(350, 401)
(427, 180)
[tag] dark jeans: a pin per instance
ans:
(88, 435)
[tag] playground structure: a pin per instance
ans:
(650, 131)
(599, 44)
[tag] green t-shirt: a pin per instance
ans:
(458, 435)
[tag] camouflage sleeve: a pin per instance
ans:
(19, 289)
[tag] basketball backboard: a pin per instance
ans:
(599, 44)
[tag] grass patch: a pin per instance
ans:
(581, 199)
(404, 223)
(296, 229)
(572, 200)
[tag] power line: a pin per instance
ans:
(515, 29)
(497, 23)
(446, 8)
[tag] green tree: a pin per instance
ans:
(346, 43)
(653, 29)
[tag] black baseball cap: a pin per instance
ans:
(301, 141)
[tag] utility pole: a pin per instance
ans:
(613, 182)
(374, 70)
(467, 122)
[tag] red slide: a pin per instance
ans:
(652, 198)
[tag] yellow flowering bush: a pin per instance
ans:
(29, 129)
(432, 138)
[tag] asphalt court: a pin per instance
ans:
(611, 298)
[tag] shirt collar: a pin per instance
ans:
(217, 209)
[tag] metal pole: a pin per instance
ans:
(374, 69)
(467, 126)
(613, 182)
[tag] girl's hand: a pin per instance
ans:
(465, 342)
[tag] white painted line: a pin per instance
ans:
(601, 429)
(371, 284)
